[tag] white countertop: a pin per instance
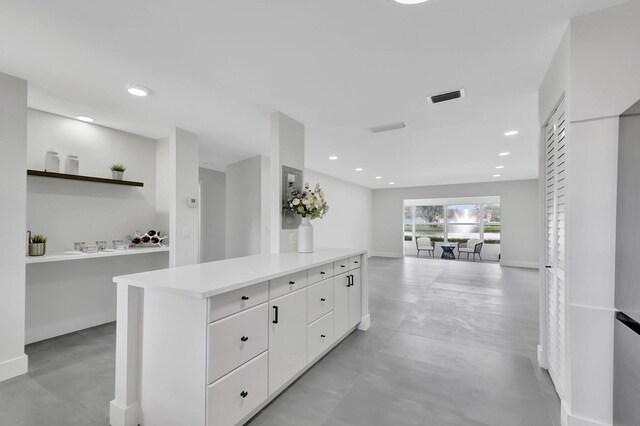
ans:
(59, 257)
(213, 278)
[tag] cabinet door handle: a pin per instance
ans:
(356, 262)
(322, 335)
(322, 299)
(275, 314)
(322, 272)
(244, 394)
(292, 282)
(245, 297)
(350, 280)
(244, 338)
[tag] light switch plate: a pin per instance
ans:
(186, 232)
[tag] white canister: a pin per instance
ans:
(52, 161)
(72, 165)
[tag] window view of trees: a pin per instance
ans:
(453, 223)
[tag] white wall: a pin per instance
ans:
(13, 140)
(67, 211)
(213, 215)
(348, 224)
(163, 186)
(184, 224)
(244, 207)
(287, 148)
(68, 296)
(519, 204)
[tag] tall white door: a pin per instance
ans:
(556, 184)
(355, 298)
(341, 285)
(287, 337)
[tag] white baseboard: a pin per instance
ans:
(520, 264)
(48, 331)
(572, 420)
(386, 254)
(365, 323)
(124, 415)
(13, 367)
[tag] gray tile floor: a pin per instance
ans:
(451, 343)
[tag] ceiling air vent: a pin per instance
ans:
(444, 97)
(388, 127)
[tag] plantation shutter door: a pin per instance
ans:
(556, 182)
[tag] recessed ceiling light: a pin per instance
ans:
(392, 183)
(511, 133)
(359, 169)
(496, 175)
(137, 90)
(410, 1)
(378, 177)
(84, 118)
(503, 154)
(499, 167)
(333, 157)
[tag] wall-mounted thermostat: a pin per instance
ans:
(192, 202)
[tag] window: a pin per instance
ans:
(453, 222)
(430, 222)
(491, 223)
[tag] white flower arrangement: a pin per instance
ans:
(308, 203)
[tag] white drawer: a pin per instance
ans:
(234, 396)
(340, 266)
(355, 262)
(319, 336)
(287, 284)
(320, 273)
(236, 339)
(237, 300)
(320, 299)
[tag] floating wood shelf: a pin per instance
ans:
(80, 177)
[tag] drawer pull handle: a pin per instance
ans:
(244, 394)
(244, 338)
(322, 299)
(342, 266)
(275, 314)
(245, 297)
(322, 335)
(356, 262)
(292, 282)
(322, 272)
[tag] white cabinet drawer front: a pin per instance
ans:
(341, 266)
(319, 336)
(341, 286)
(320, 273)
(355, 262)
(238, 300)
(320, 299)
(236, 339)
(234, 396)
(287, 284)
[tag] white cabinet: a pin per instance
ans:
(287, 284)
(237, 300)
(320, 273)
(320, 299)
(341, 285)
(341, 266)
(287, 338)
(319, 336)
(347, 304)
(355, 262)
(355, 298)
(237, 394)
(235, 340)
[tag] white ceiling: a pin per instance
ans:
(218, 68)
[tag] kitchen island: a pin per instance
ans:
(212, 344)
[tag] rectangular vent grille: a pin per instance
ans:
(444, 97)
(388, 127)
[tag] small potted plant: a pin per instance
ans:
(117, 171)
(310, 204)
(37, 245)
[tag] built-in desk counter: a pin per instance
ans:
(212, 344)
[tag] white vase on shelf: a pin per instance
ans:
(305, 236)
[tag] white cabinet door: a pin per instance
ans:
(341, 287)
(355, 298)
(287, 337)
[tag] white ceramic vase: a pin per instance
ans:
(305, 236)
